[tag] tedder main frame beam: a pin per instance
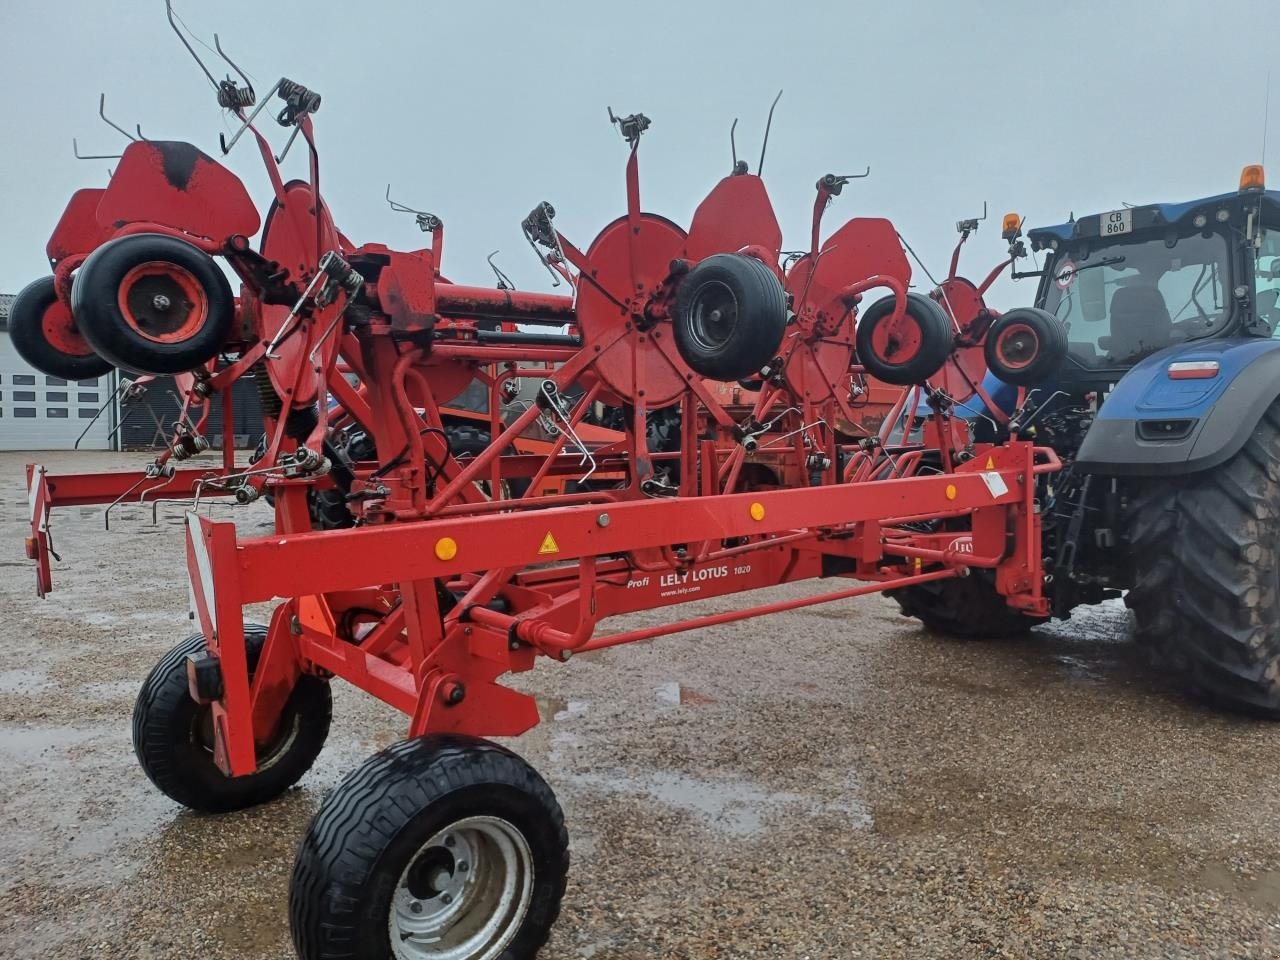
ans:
(440, 663)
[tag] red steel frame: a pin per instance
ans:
(445, 587)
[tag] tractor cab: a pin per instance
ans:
(1130, 282)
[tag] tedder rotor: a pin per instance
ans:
(456, 570)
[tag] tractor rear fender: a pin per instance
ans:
(1156, 421)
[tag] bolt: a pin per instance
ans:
(454, 692)
(446, 898)
(295, 626)
(602, 520)
(513, 645)
(463, 866)
(415, 907)
(449, 841)
(161, 302)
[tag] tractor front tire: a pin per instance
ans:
(1206, 593)
(173, 735)
(963, 608)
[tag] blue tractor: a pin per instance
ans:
(1166, 414)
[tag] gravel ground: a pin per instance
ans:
(832, 782)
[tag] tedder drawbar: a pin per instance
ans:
(454, 572)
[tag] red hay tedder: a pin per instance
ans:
(456, 570)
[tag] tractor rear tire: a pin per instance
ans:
(1206, 593)
(466, 441)
(172, 735)
(441, 845)
(963, 608)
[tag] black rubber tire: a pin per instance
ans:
(738, 347)
(26, 333)
(1206, 591)
(95, 304)
(1039, 340)
(166, 738)
(374, 823)
(963, 608)
(937, 340)
(468, 441)
(329, 510)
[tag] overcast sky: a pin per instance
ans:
(476, 111)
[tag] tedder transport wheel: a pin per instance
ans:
(910, 351)
(963, 608)
(1025, 346)
(730, 314)
(1206, 593)
(45, 335)
(153, 304)
(441, 846)
(173, 735)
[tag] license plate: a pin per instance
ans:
(1115, 223)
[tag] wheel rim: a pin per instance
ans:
(162, 302)
(269, 754)
(59, 330)
(897, 343)
(464, 894)
(1017, 346)
(713, 314)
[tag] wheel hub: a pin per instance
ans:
(713, 315)
(1018, 347)
(162, 302)
(464, 894)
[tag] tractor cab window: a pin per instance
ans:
(1266, 281)
(1124, 299)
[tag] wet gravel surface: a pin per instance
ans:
(833, 782)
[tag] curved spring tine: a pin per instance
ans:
(102, 106)
(102, 409)
(767, 125)
(75, 148)
(253, 96)
(168, 9)
(222, 137)
(504, 282)
(288, 143)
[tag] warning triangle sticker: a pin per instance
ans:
(991, 465)
(549, 544)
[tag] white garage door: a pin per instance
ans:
(39, 412)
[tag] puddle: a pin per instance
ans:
(674, 694)
(559, 708)
(736, 807)
(24, 681)
(29, 743)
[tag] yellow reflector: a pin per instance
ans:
(757, 511)
(446, 548)
(1252, 177)
(951, 491)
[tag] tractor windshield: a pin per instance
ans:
(1124, 298)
